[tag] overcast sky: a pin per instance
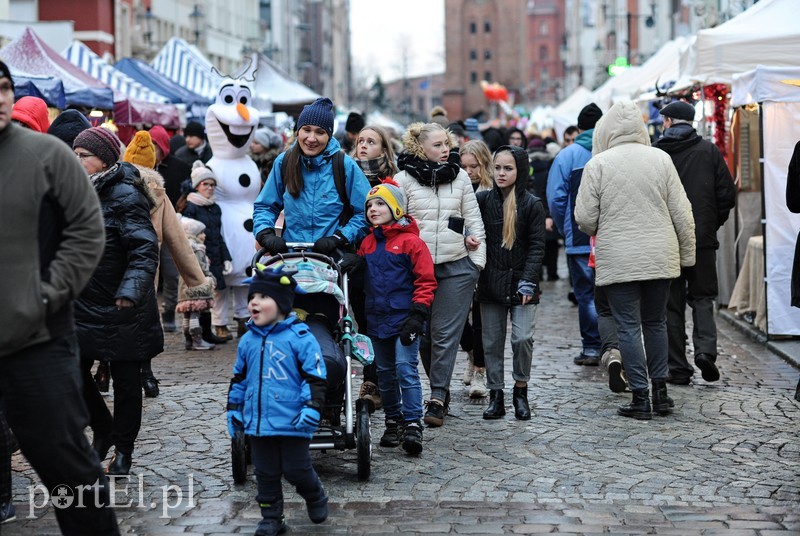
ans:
(380, 29)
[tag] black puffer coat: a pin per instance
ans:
(126, 270)
(216, 250)
(505, 268)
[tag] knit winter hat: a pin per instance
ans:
(267, 138)
(141, 150)
(32, 112)
(589, 116)
(471, 128)
(275, 283)
(160, 138)
(391, 194)
(101, 142)
(355, 122)
(192, 227)
(201, 173)
(319, 114)
(68, 125)
(5, 72)
(678, 110)
(193, 128)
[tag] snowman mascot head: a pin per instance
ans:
(231, 121)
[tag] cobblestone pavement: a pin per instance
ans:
(726, 462)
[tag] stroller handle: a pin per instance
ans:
(298, 250)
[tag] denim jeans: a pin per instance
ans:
(605, 320)
(640, 309)
(583, 286)
(398, 378)
(523, 323)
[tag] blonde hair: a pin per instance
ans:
(416, 133)
(509, 208)
(386, 144)
(480, 151)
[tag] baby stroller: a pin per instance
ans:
(326, 304)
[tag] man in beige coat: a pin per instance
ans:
(632, 199)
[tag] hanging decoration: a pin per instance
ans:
(494, 91)
(719, 94)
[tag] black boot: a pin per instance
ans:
(168, 321)
(120, 464)
(496, 407)
(241, 327)
(639, 408)
(662, 404)
(101, 445)
(208, 333)
(272, 521)
(520, 400)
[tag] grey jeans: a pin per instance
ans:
(449, 311)
(523, 323)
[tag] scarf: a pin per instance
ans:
(429, 173)
(199, 200)
(374, 168)
(95, 177)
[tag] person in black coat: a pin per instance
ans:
(793, 204)
(515, 235)
(711, 191)
(116, 314)
(195, 146)
(541, 161)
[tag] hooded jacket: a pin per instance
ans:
(705, 177)
(32, 111)
(52, 237)
(505, 268)
(632, 199)
(399, 273)
(433, 208)
(68, 125)
(278, 369)
(314, 214)
(127, 270)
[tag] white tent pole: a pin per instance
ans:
(763, 210)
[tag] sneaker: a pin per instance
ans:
(393, 433)
(470, 370)
(412, 437)
(478, 387)
(587, 360)
(612, 362)
(706, 365)
(370, 394)
(7, 512)
(434, 413)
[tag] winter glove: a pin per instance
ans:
(412, 327)
(328, 244)
(274, 244)
(307, 420)
(351, 263)
(227, 268)
(235, 421)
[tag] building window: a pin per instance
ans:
(473, 77)
(543, 29)
(473, 54)
(544, 74)
(473, 28)
(487, 54)
(487, 27)
(543, 54)
(488, 76)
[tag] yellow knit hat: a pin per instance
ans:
(141, 150)
(392, 195)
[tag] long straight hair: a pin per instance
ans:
(509, 208)
(480, 151)
(294, 176)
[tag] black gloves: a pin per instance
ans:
(412, 327)
(329, 244)
(274, 244)
(351, 263)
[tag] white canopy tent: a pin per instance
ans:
(274, 87)
(566, 113)
(776, 92)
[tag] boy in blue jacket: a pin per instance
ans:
(276, 395)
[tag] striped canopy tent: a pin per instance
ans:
(185, 64)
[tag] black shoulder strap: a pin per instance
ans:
(339, 179)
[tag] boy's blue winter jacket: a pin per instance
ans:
(279, 369)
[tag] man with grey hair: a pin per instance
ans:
(712, 194)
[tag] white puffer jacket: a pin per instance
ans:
(632, 199)
(433, 209)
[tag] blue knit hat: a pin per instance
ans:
(319, 114)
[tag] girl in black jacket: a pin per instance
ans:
(515, 235)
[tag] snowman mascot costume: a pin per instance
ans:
(231, 124)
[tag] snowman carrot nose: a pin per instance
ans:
(242, 109)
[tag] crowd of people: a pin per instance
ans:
(445, 232)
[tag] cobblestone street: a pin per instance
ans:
(726, 462)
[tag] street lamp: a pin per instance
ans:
(196, 16)
(650, 21)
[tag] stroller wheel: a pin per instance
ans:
(363, 442)
(239, 457)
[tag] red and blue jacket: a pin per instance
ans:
(399, 272)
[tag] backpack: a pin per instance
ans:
(341, 187)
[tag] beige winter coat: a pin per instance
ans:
(632, 199)
(433, 209)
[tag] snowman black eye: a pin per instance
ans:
(228, 95)
(244, 96)
(228, 99)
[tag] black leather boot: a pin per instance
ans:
(120, 464)
(208, 333)
(520, 400)
(639, 408)
(496, 407)
(662, 404)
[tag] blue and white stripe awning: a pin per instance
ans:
(185, 64)
(83, 57)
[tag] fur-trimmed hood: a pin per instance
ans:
(155, 185)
